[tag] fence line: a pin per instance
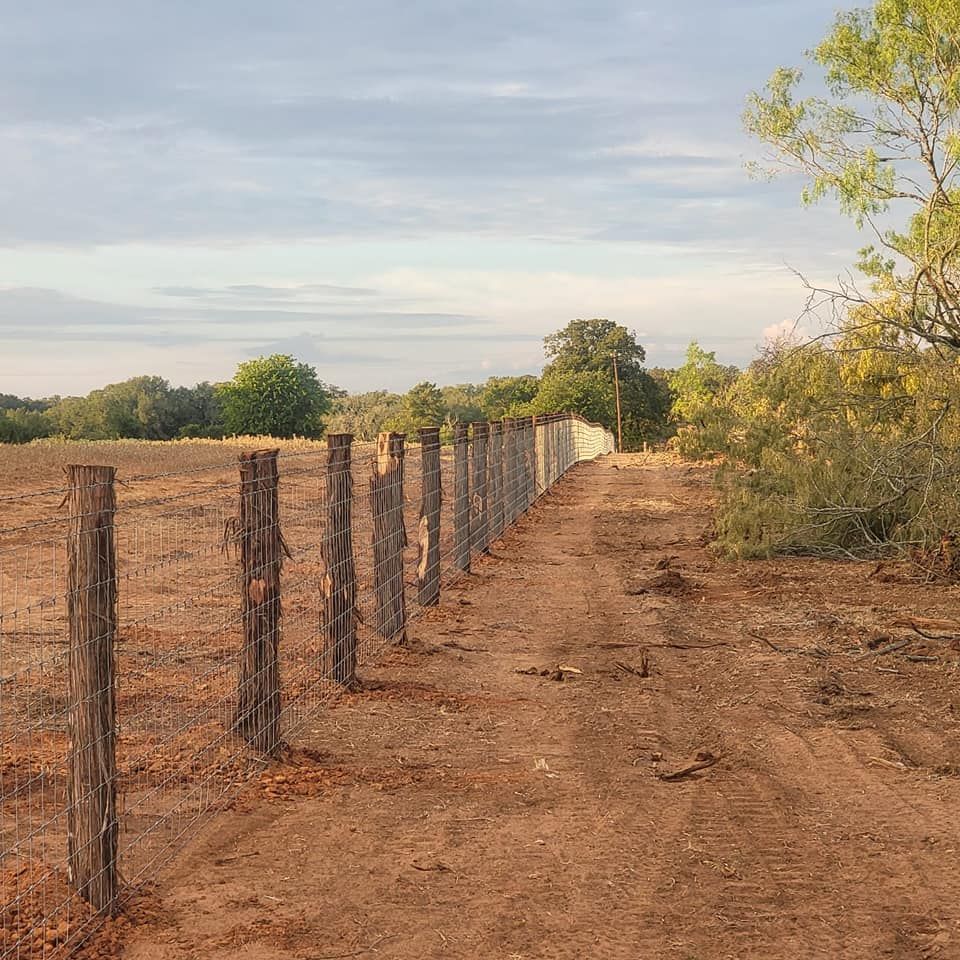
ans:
(163, 637)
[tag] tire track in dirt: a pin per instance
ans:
(459, 808)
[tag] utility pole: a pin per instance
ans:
(616, 382)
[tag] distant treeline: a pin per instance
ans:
(144, 407)
(282, 397)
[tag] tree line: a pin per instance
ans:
(282, 397)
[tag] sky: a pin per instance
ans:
(390, 191)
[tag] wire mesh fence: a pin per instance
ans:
(164, 637)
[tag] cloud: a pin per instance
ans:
(25, 310)
(789, 331)
(192, 123)
(399, 191)
(257, 291)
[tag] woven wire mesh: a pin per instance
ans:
(198, 625)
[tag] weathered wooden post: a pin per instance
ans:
(428, 530)
(536, 444)
(389, 537)
(531, 462)
(340, 577)
(554, 451)
(257, 716)
(479, 514)
(509, 471)
(495, 480)
(92, 620)
(526, 464)
(461, 498)
(548, 430)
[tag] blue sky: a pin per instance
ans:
(393, 192)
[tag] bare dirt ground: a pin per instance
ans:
(459, 806)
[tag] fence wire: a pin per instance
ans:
(164, 636)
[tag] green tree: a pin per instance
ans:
(196, 411)
(365, 414)
(462, 403)
(660, 401)
(589, 393)
(507, 396)
(423, 406)
(885, 143)
(580, 372)
(698, 383)
(275, 396)
(590, 345)
(21, 425)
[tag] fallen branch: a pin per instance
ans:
(702, 760)
(889, 648)
(921, 624)
(771, 645)
(881, 761)
(690, 646)
(642, 671)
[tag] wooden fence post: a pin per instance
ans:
(92, 617)
(257, 716)
(536, 444)
(495, 480)
(428, 531)
(461, 498)
(548, 454)
(479, 518)
(534, 464)
(509, 471)
(526, 464)
(340, 578)
(555, 451)
(389, 537)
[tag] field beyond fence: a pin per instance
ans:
(164, 634)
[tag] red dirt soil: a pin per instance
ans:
(459, 807)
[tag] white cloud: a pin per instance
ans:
(791, 331)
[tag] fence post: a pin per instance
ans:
(480, 519)
(556, 447)
(92, 617)
(495, 480)
(534, 462)
(548, 454)
(461, 498)
(389, 537)
(340, 578)
(538, 482)
(428, 531)
(257, 717)
(509, 471)
(526, 464)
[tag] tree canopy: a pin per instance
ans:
(580, 378)
(885, 143)
(423, 406)
(697, 384)
(275, 396)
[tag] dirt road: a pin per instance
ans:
(458, 807)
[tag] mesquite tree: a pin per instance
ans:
(885, 142)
